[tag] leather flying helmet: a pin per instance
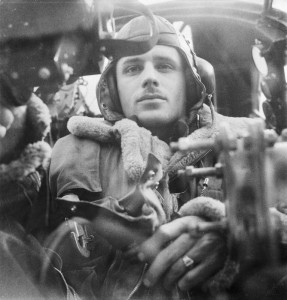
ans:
(137, 29)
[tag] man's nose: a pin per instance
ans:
(150, 78)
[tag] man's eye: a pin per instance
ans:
(132, 69)
(165, 67)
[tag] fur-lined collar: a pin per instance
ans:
(33, 156)
(38, 119)
(36, 152)
(137, 142)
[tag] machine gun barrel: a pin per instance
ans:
(191, 171)
(184, 144)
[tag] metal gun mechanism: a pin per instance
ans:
(254, 172)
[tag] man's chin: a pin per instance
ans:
(151, 120)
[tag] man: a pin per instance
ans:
(147, 101)
(24, 159)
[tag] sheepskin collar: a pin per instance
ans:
(36, 152)
(38, 119)
(33, 156)
(137, 142)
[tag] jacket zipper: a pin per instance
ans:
(197, 159)
(200, 157)
(138, 283)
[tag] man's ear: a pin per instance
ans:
(207, 75)
(108, 97)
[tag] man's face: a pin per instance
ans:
(152, 86)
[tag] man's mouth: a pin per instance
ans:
(150, 97)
